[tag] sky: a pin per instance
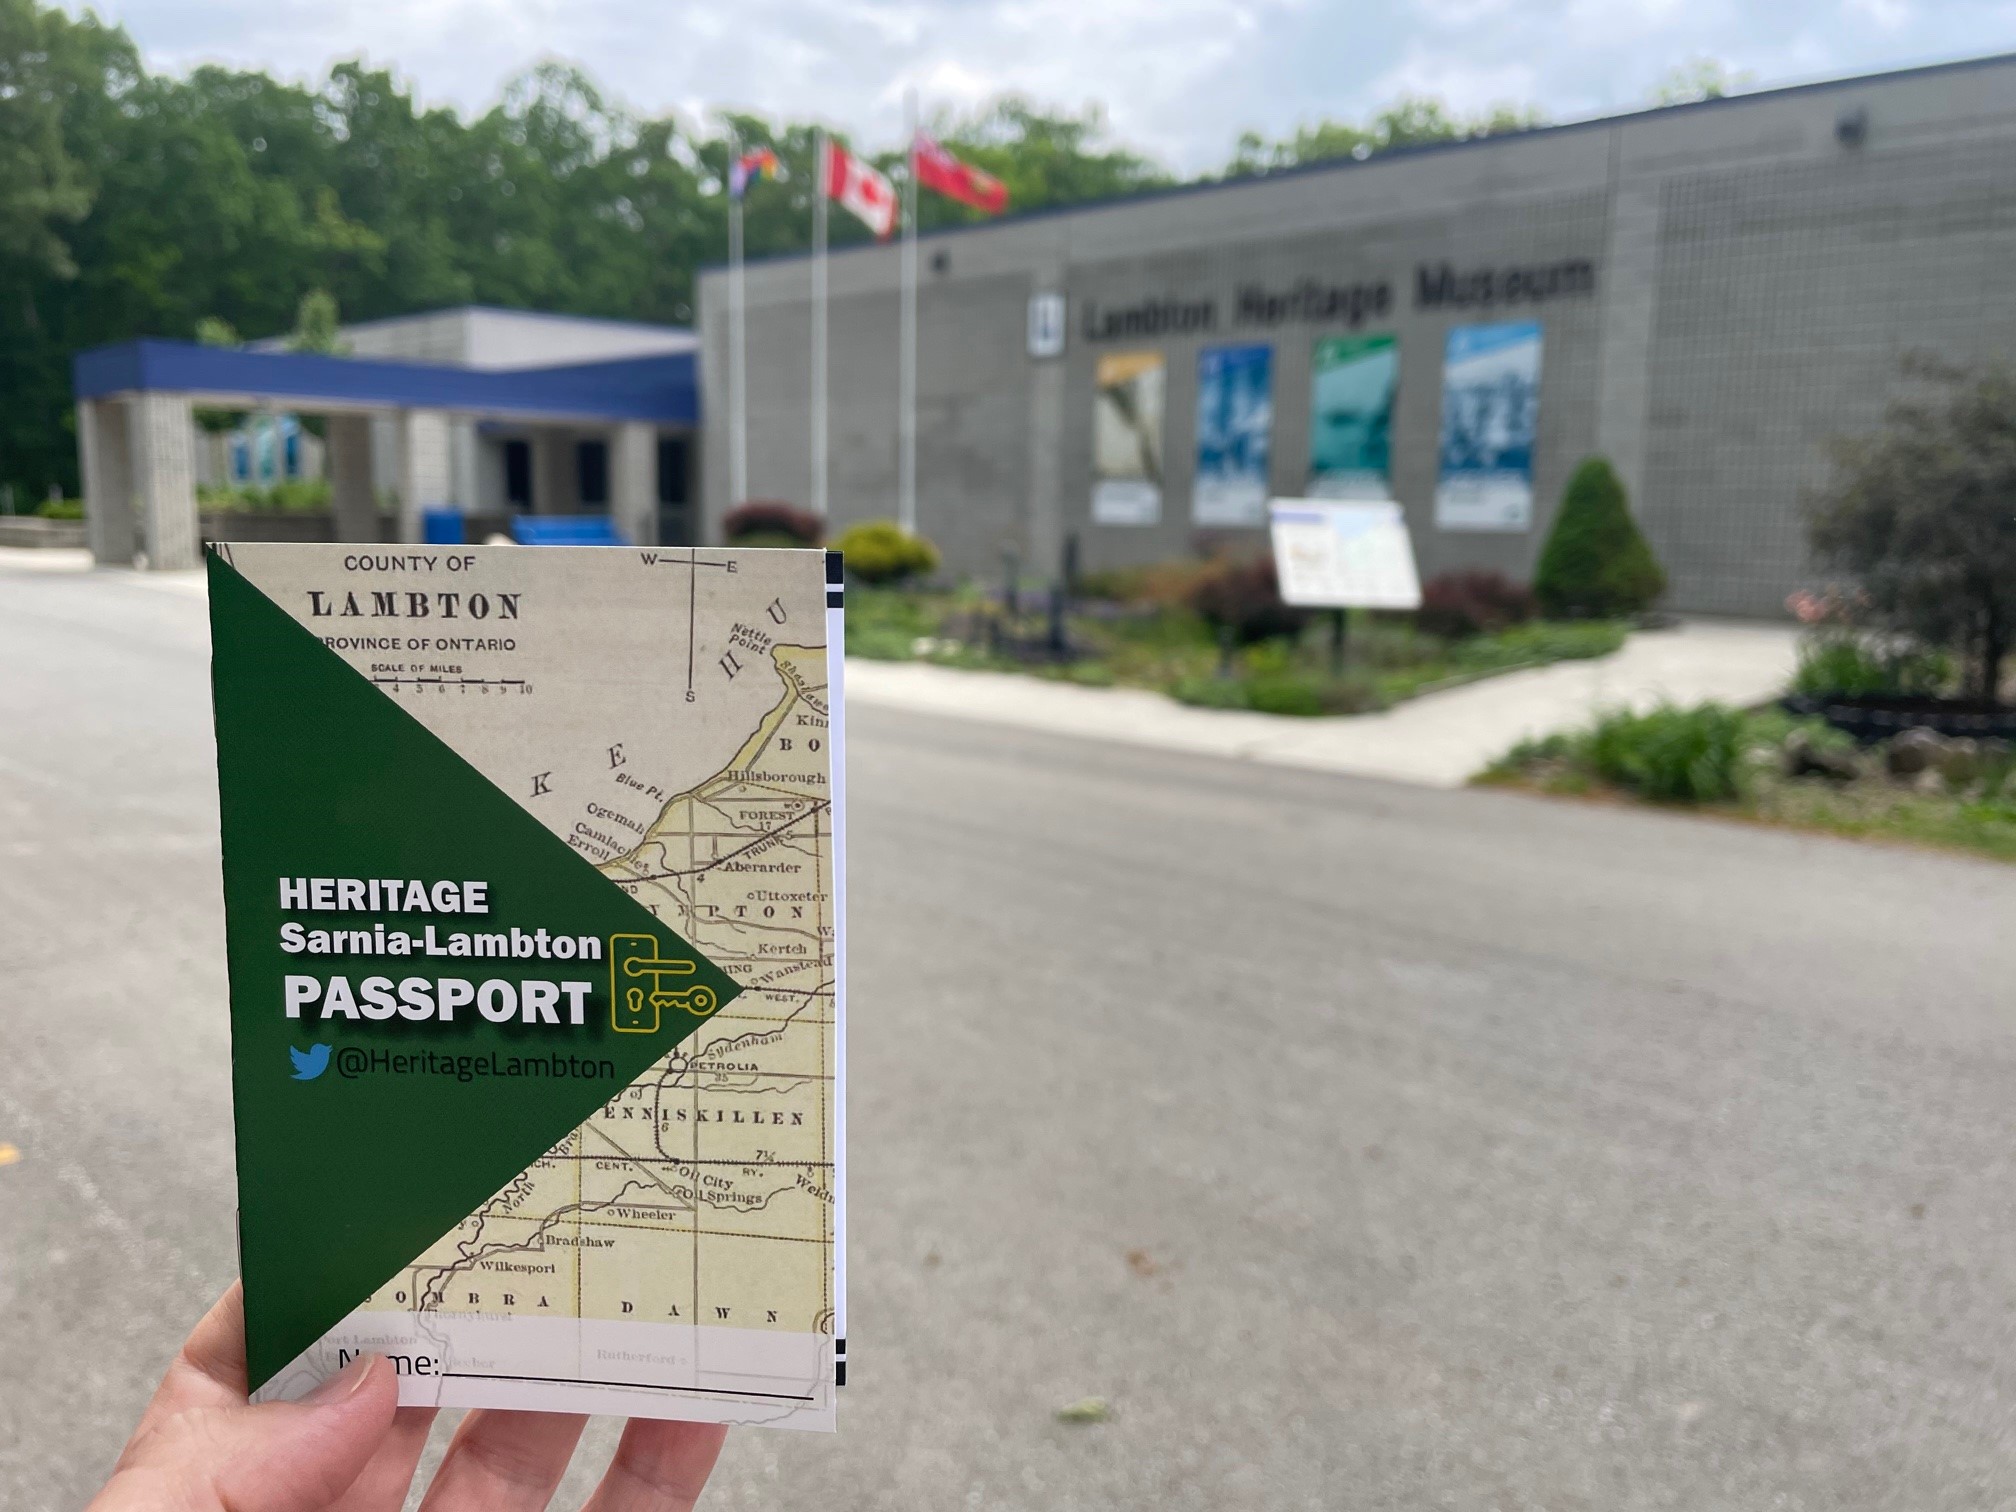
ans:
(1179, 79)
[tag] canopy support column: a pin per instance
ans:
(633, 482)
(161, 443)
(104, 460)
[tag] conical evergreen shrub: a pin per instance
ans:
(1596, 564)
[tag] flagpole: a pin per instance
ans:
(906, 461)
(738, 353)
(820, 192)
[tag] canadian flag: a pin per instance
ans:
(938, 169)
(860, 188)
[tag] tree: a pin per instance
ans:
(43, 189)
(136, 204)
(316, 323)
(1922, 515)
(1700, 79)
(1596, 562)
(1410, 121)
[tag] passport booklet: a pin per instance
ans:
(535, 907)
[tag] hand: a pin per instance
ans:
(349, 1446)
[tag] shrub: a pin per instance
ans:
(1596, 564)
(1670, 755)
(881, 551)
(1457, 605)
(1159, 585)
(61, 509)
(303, 495)
(1844, 665)
(1242, 602)
(771, 522)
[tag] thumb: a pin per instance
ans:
(274, 1457)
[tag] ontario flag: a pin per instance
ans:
(938, 169)
(859, 188)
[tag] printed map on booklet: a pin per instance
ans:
(534, 899)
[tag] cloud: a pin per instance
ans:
(1180, 78)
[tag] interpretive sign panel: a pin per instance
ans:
(534, 907)
(1339, 554)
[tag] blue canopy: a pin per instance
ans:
(663, 390)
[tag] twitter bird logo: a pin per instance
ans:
(309, 1063)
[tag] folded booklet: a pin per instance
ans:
(534, 907)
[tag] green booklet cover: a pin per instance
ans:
(534, 886)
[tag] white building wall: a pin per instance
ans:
(475, 337)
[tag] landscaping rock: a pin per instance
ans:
(1959, 762)
(1803, 756)
(1930, 783)
(1913, 752)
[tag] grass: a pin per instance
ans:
(1171, 651)
(1725, 763)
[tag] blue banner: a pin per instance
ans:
(1490, 415)
(1235, 424)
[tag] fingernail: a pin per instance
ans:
(344, 1383)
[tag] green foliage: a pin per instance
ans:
(44, 189)
(1981, 820)
(1670, 755)
(134, 204)
(316, 321)
(61, 509)
(1700, 79)
(1919, 515)
(885, 624)
(1296, 693)
(212, 332)
(1843, 663)
(1596, 563)
(1411, 121)
(1448, 664)
(881, 551)
(288, 496)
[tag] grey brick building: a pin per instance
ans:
(1721, 287)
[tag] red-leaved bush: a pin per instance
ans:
(1461, 604)
(1244, 599)
(772, 518)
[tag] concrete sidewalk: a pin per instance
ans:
(1440, 739)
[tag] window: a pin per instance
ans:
(518, 474)
(675, 523)
(591, 473)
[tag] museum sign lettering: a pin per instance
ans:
(1309, 301)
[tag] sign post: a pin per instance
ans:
(1343, 554)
